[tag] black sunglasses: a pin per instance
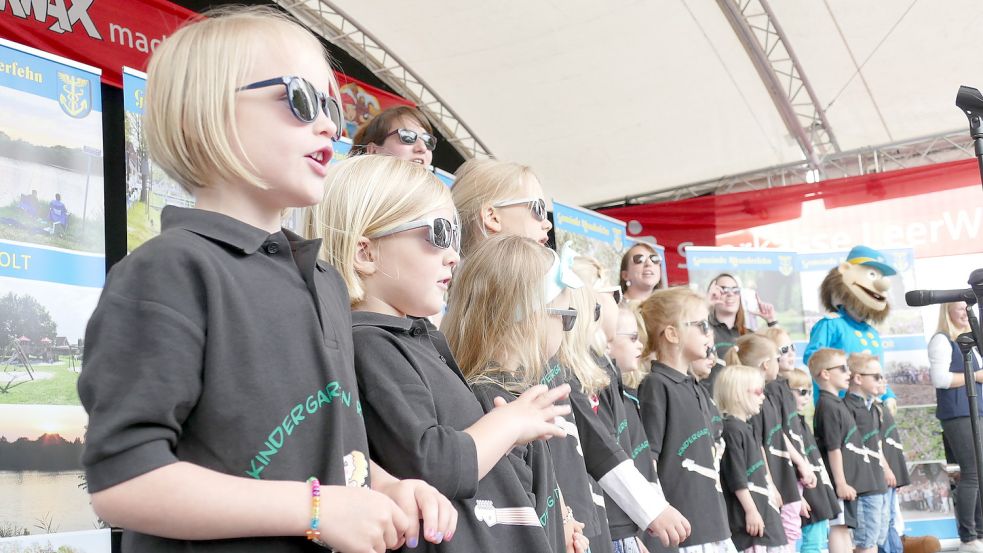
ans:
(597, 312)
(785, 349)
(569, 316)
(639, 258)
(802, 391)
(841, 368)
(536, 205)
(409, 137)
(305, 101)
(442, 234)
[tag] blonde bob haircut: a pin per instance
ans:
(946, 325)
(575, 355)
(731, 391)
(365, 195)
(633, 379)
(478, 185)
(662, 309)
(798, 378)
(190, 114)
(775, 334)
(751, 350)
(497, 312)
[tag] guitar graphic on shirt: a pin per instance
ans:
(751, 486)
(571, 430)
(485, 511)
(691, 466)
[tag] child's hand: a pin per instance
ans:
(805, 509)
(755, 524)
(422, 502)
(889, 478)
(776, 496)
(671, 527)
(846, 492)
(571, 530)
(532, 413)
(808, 476)
(360, 519)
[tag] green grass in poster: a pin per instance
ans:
(53, 384)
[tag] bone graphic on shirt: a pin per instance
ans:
(797, 438)
(485, 511)
(763, 491)
(571, 430)
(781, 453)
(597, 498)
(891, 442)
(691, 466)
(862, 451)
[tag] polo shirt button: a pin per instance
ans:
(272, 248)
(416, 331)
(442, 360)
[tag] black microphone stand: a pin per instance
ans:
(966, 343)
(970, 101)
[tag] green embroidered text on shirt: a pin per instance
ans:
(285, 428)
(754, 468)
(689, 441)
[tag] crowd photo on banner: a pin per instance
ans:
(316, 339)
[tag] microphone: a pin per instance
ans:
(919, 298)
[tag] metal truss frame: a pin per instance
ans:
(771, 54)
(939, 148)
(326, 19)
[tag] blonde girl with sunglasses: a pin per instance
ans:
(390, 228)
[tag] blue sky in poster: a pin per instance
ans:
(590, 224)
(44, 77)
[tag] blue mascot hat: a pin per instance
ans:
(862, 255)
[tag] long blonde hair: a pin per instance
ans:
(575, 353)
(497, 311)
(365, 195)
(665, 308)
(751, 350)
(730, 390)
(946, 326)
(192, 77)
(633, 378)
(478, 184)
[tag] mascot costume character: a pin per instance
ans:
(854, 294)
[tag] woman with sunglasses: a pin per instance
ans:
(728, 317)
(499, 197)
(402, 131)
(641, 272)
(388, 227)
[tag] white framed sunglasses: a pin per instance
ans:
(409, 137)
(536, 205)
(442, 233)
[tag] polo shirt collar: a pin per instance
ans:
(830, 394)
(672, 373)
(215, 226)
(381, 320)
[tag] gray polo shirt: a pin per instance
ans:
(225, 346)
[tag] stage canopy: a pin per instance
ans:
(614, 99)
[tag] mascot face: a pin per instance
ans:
(867, 284)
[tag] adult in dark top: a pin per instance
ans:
(946, 363)
(640, 273)
(676, 414)
(728, 318)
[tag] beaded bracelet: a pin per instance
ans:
(313, 533)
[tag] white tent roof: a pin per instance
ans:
(609, 99)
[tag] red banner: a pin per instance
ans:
(102, 33)
(935, 209)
